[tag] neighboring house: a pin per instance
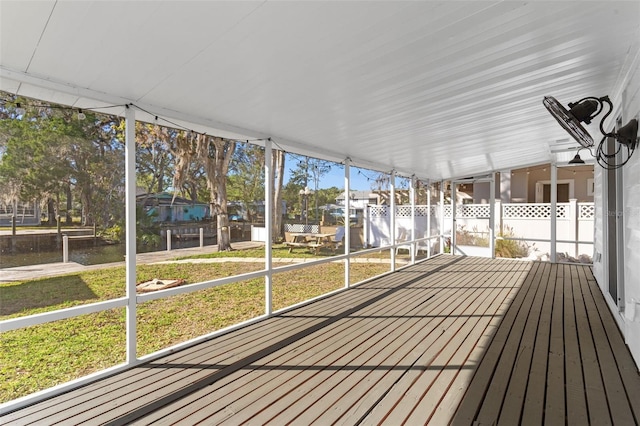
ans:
(167, 208)
(533, 185)
(358, 202)
(358, 199)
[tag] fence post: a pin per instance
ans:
(366, 226)
(573, 225)
(65, 249)
(168, 239)
(201, 237)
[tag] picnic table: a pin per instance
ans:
(313, 241)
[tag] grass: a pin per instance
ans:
(42, 356)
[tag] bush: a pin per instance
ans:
(510, 248)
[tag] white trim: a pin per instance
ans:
(130, 235)
(45, 317)
(268, 223)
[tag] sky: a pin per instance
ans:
(359, 181)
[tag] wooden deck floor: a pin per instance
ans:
(451, 340)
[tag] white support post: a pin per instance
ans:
(65, 249)
(346, 239)
(366, 225)
(492, 216)
(201, 237)
(441, 222)
(554, 213)
(268, 223)
(130, 239)
(573, 225)
(428, 233)
(454, 207)
(392, 217)
(168, 239)
(412, 199)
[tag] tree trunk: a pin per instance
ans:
(68, 218)
(51, 212)
(87, 214)
(216, 155)
(278, 166)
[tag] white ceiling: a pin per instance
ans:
(434, 88)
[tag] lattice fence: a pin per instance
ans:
(479, 211)
(401, 211)
(586, 210)
(533, 211)
(378, 211)
(405, 211)
(301, 227)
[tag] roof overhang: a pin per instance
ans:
(436, 89)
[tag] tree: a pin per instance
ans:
(214, 155)
(246, 176)
(154, 161)
(49, 154)
(310, 171)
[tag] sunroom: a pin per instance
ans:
(431, 95)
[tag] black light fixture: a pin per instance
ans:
(577, 159)
(584, 111)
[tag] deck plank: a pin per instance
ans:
(574, 381)
(377, 383)
(625, 364)
(450, 340)
(451, 399)
(594, 387)
(456, 355)
(529, 377)
(475, 392)
(287, 407)
(619, 407)
(555, 407)
(267, 382)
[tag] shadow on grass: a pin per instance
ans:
(43, 293)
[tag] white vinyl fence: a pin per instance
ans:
(529, 223)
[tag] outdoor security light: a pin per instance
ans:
(584, 111)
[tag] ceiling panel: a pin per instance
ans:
(437, 89)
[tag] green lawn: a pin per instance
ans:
(42, 356)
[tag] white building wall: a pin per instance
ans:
(629, 319)
(631, 217)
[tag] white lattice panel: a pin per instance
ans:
(562, 211)
(421, 211)
(526, 211)
(378, 211)
(403, 211)
(301, 227)
(533, 211)
(586, 210)
(474, 210)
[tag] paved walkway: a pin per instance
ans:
(31, 272)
